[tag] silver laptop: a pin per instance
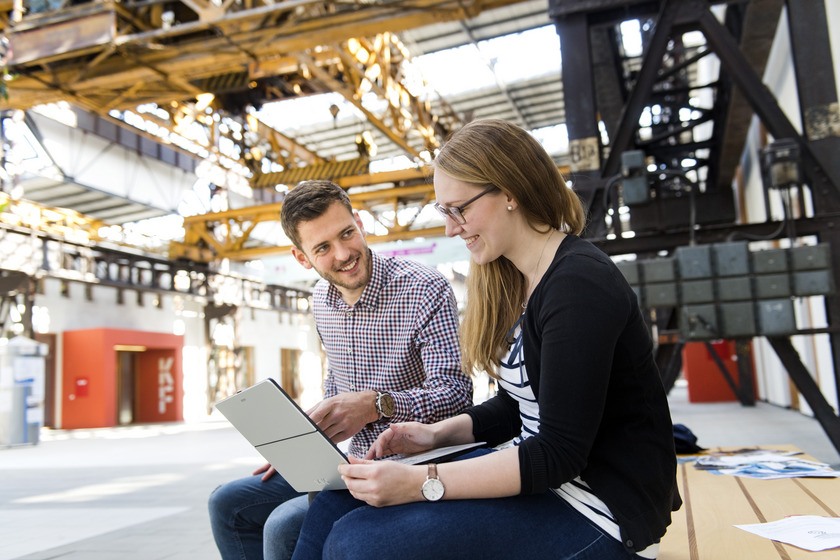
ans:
(294, 445)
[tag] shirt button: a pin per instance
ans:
(628, 543)
(348, 313)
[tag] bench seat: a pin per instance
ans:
(703, 528)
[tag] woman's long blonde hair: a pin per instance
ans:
(496, 152)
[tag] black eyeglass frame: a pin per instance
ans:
(457, 212)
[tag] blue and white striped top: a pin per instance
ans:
(514, 380)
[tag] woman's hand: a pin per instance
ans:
(402, 437)
(383, 483)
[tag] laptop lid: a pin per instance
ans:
(285, 436)
(295, 446)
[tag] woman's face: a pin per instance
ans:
(487, 228)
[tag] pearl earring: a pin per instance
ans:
(510, 208)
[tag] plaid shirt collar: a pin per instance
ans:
(370, 296)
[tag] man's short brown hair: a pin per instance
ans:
(309, 200)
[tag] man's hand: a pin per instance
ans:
(267, 469)
(344, 415)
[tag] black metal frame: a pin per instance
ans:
(708, 214)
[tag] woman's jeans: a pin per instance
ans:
(252, 519)
(538, 526)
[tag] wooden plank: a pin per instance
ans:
(825, 492)
(717, 503)
(676, 545)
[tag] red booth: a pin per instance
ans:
(115, 377)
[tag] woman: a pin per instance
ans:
(589, 470)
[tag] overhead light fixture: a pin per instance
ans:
(203, 100)
(334, 109)
(253, 122)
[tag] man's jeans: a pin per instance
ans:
(252, 519)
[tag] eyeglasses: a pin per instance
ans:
(457, 212)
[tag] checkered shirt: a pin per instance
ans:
(400, 337)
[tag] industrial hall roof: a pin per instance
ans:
(204, 87)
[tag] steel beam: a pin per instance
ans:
(767, 108)
(668, 240)
(739, 391)
(806, 385)
(647, 77)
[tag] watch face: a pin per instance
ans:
(432, 489)
(386, 403)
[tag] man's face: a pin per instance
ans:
(334, 245)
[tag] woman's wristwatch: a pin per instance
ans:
(432, 488)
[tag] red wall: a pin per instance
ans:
(90, 378)
(705, 380)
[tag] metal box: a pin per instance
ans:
(659, 270)
(694, 261)
(813, 283)
(634, 183)
(736, 288)
(738, 319)
(630, 270)
(699, 322)
(770, 260)
(698, 291)
(770, 286)
(775, 316)
(811, 257)
(731, 259)
(661, 295)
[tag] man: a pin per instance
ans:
(390, 331)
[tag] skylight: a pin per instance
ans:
(296, 114)
(500, 61)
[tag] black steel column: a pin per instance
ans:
(581, 116)
(743, 351)
(817, 88)
(816, 82)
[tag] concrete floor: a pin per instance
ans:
(140, 492)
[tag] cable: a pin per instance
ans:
(782, 225)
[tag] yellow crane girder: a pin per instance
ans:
(107, 55)
(225, 235)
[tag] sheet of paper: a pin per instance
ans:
(809, 532)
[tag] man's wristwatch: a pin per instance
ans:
(432, 488)
(384, 405)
